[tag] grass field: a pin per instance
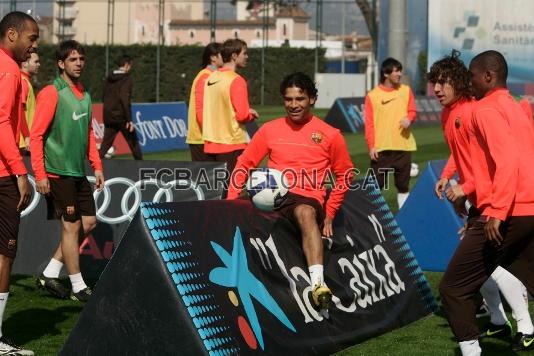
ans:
(42, 323)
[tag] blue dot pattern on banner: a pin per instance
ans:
(200, 305)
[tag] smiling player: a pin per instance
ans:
(306, 146)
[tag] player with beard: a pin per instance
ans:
(61, 139)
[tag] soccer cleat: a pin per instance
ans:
(82, 296)
(523, 342)
(321, 297)
(492, 330)
(53, 285)
(7, 347)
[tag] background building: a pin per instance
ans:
(132, 22)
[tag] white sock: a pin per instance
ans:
(3, 302)
(316, 275)
(77, 282)
(513, 290)
(490, 292)
(470, 348)
(401, 198)
(53, 268)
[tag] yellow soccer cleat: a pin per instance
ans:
(321, 297)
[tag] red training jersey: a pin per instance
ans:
(10, 107)
(501, 140)
(455, 120)
(305, 153)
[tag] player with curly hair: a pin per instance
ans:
(450, 79)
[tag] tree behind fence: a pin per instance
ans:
(179, 66)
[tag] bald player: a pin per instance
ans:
(18, 40)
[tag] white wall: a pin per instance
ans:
(333, 86)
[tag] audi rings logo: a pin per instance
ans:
(128, 206)
(35, 198)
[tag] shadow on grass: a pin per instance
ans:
(21, 282)
(34, 323)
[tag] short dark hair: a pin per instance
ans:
(16, 20)
(493, 61)
(212, 49)
(451, 69)
(124, 59)
(66, 47)
(231, 46)
(389, 65)
(301, 81)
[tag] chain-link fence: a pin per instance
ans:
(337, 26)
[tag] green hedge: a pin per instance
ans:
(179, 66)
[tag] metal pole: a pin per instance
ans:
(374, 55)
(62, 17)
(109, 32)
(397, 30)
(112, 21)
(160, 41)
(129, 21)
(13, 5)
(265, 37)
(318, 31)
(343, 19)
(267, 33)
(213, 19)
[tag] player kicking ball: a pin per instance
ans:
(308, 147)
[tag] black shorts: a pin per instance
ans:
(9, 217)
(70, 198)
(292, 200)
(400, 162)
(197, 153)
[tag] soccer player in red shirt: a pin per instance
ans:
(450, 79)
(305, 146)
(501, 149)
(61, 139)
(389, 112)
(18, 39)
(226, 108)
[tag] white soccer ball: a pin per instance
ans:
(265, 186)
(414, 171)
